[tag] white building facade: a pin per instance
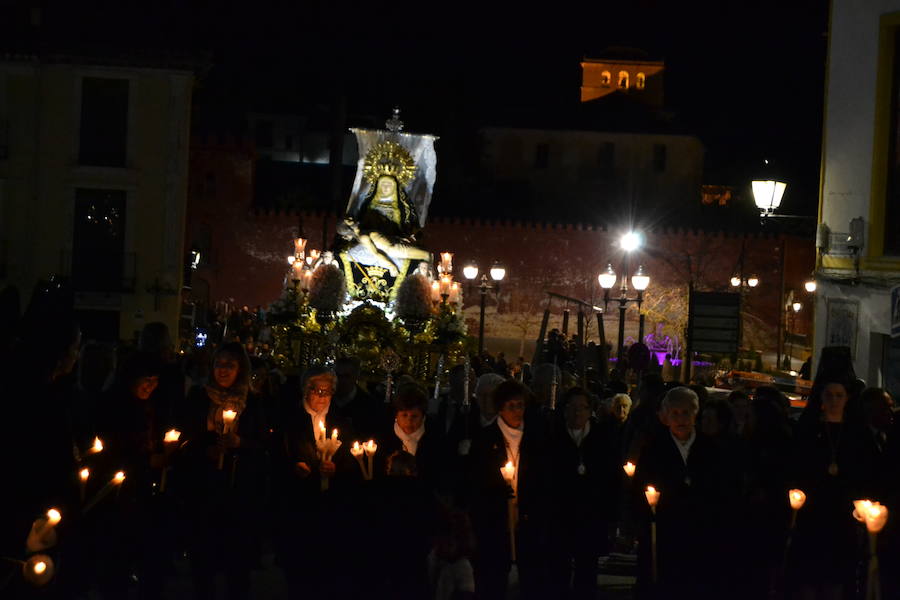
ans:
(858, 241)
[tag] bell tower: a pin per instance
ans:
(639, 79)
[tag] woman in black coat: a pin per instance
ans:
(411, 433)
(585, 476)
(219, 477)
(509, 440)
(316, 492)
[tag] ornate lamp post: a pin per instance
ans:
(497, 272)
(640, 281)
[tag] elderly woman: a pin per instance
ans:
(585, 479)
(223, 429)
(313, 487)
(681, 464)
(509, 441)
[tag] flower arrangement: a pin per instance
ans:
(327, 290)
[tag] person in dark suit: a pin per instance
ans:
(353, 404)
(495, 497)
(681, 463)
(314, 491)
(585, 482)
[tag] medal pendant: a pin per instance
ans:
(581, 469)
(833, 469)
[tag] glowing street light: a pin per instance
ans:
(497, 274)
(810, 285)
(630, 242)
(767, 195)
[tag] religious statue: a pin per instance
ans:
(376, 241)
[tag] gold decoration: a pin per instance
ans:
(392, 159)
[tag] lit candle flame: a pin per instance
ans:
(371, 447)
(98, 446)
(508, 470)
(173, 435)
(228, 415)
(39, 567)
(119, 477)
(873, 514)
(84, 474)
(629, 468)
(53, 517)
(797, 499)
(357, 450)
(334, 434)
(652, 496)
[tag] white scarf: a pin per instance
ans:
(316, 418)
(411, 441)
(513, 438)
(578, 435)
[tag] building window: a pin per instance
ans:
(98, 241)
(542, 156)
(640, 81)
(103, 138)
(623, 80)
(606, 156)
(605, 78)
(659, 157)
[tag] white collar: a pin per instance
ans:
(578, 435)
(684, 447)
(410, 441)
(316, 418)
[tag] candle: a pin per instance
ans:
(445, 285)
(435, 291)
(297, 270)
(876, 517)
(118, 478)
(508, 471)
(97, 447)
(652, 497)
(454, 293)
(83, 476)
(228, 417)
(629, 468)
(357, 451)
(307, 280)
(173, 435)
(370, 449)
(797, 499)
(446, 262)
(38, 570)
(53, 519)
(334, 434)
(313, 257)
(321, 434)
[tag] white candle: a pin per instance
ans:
(629, 468)
(454, 293)
(118, 478)
(52, 520)
(508, 471)
(370, 448)
(83, 476)
(173, 435)
(435, 291)
(652, 497)
(228, 417)
(797, 498)
(97, 447)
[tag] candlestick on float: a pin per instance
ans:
(652, 499)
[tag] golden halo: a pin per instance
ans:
(389, 158)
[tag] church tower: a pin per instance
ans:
(641, 80)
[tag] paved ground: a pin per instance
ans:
(615, 581)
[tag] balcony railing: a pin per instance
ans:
(100, 271)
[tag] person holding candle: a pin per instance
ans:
(834, 465)
(510, 439)
(311, 517)
(353, 404)
(411, 433)
(681, 464)
(224, 505)
(585, 471)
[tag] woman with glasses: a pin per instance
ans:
(315, 489)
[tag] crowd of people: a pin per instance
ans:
(460, 486)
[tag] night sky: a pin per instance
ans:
(747, 77)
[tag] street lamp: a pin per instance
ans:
(498, 273)
(810, 285)
(629, 242)
(767, 195)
